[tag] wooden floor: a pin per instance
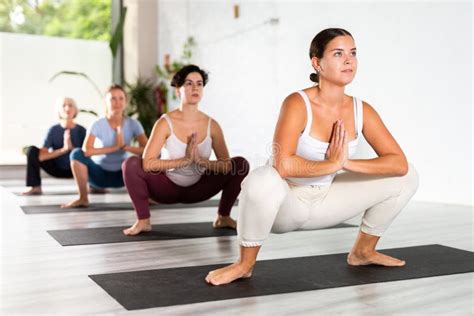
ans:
(39, 276)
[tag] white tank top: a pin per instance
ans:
(311, 148)
(174, 148)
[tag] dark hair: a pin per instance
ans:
(319, 43)
(116, 86)
(180, 76)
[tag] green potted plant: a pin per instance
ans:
(165, 73)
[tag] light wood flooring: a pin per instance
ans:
(39, 276)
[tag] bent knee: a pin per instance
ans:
(411, 179)
(262, 182)
(77, 154)
(240, 166)
(32, 151)
(132, 165)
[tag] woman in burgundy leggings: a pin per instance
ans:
(175, 167)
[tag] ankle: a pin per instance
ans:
(144, 221)
(363, 251)
(246, 265)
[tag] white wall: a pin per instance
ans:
(415, 68)
(27, 98)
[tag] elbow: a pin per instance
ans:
(282, 172)
(281, 168)
(402, 169)
(87, 153)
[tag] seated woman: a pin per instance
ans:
(184, 174)
(316, 136)
(100, 166)
(53, 157)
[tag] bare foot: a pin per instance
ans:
(98, 190)
(33, 191)
(76, 203)
(224, 222)
(228, 274)
(152, 202)
(141, 225)
(373, 257)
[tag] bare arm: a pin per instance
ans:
(45, 154)
(153, 149)
(287, 132)
(391, 160)
(142, 140)
(223, 163)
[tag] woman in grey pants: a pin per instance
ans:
(316, 137)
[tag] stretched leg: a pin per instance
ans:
(79, 170)
(264, 193)
(212, 183)
(33, 178)
(141, 186)
(380, 199)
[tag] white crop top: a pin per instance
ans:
(174, 148)
(311, 148)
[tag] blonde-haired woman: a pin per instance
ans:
(53, 157)
(101, 166)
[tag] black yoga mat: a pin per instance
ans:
(123, 206)
(176, 286)
(106, 235)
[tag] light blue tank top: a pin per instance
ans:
(311, 148)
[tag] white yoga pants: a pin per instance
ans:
(269, 204)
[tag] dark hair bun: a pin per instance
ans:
(314, 77)
(180, 76)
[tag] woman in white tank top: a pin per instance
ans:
(313, 181)
(176, 166)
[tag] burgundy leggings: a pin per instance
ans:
(142, 185)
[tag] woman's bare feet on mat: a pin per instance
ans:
(373, 257)
(76, 203)
(224, 222)
(141, 225)
(33, 191)
(98, 190)
(228, 274)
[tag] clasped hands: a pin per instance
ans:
(192, 153)
(338, 149)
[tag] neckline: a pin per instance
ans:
(110, 126)
(172, 134)
(326, 143)
(309, 111)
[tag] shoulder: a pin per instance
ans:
(55, 127)
(131, 121)
(79, 128)
(100, 121)
(172, 114)
(368, 109)
(293, 104)
(98, 125)
(161, 125)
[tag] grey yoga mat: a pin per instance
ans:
(123, 206)
(176, 286)
(105, 235)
